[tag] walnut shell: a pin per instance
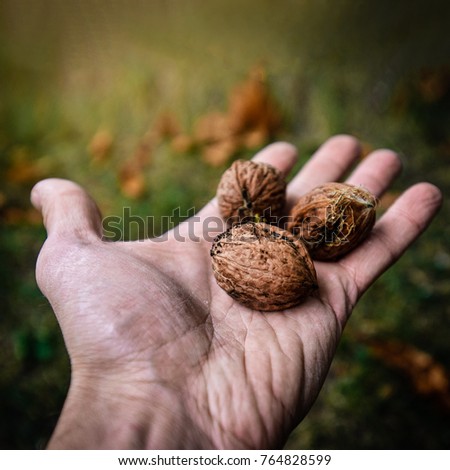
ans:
(262, 266)
(250, 191)
(333, 218)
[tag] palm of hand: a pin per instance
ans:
(150, 316)
(240, 373)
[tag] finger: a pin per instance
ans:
(329, 163)
(68, 211)
(377, 171)
(280, 155)
(405, 220)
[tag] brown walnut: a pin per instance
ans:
(332, 219)
(263, 267)
(250, 191)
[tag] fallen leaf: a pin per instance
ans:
(132, 182)
(212, 127)
(434, 83)
(255, 138)
(427, 376)
(366, 149)
(220, 153)
(142, 154)
(17, 215)
(182, 143)
(23, 168)
(131, 174)
(251, 105)
(100, 145)
(166, 126)
(388, 199)
(250, 120)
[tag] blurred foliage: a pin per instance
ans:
(146, 103)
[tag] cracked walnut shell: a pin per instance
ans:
(251, 190)
(333, 218)
(263, 267)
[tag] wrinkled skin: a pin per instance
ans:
(161, 357)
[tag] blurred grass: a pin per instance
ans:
(71, 69)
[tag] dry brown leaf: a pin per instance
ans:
(100, 145)
(388, 199)
(23, 168)
(131, 174)
(212, 127)
(132, 182)
(445, 148)
(166, 126)
(427, 376)
(251, 105)
(250, 121)
(434, 83)
(17, 215)
(182, 143)
(255, 138)
(220, 153)
(142, 155)
(366, 149)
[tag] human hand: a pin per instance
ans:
(161, 357)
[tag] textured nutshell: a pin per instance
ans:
(250, 191)
(333, 219)
(263, 267)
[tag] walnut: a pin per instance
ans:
(262, 266)
(332, 219)
(250, 191)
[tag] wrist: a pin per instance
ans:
(113, 413)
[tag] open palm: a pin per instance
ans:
(163, 358)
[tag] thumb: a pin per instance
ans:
(68, 211)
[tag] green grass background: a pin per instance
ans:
(69, 68)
